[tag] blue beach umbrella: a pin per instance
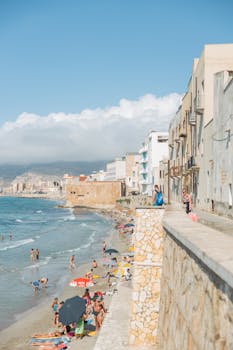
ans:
(129, 225)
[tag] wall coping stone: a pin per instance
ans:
(213, 248)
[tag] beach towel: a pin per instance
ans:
(79, 327)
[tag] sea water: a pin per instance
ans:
(57, 233)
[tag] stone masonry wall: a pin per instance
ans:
(147, 274)
(196, 308)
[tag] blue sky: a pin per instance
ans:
(87, 80)
(65, 55)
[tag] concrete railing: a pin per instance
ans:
(196, 304)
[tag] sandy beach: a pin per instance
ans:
(40, 318)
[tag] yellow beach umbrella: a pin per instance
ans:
(131, 248)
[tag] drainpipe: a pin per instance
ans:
(168, 181)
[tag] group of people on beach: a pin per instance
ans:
(41, 282)
(95, 309)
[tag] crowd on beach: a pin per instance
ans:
(111, 268)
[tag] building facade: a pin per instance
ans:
(116, 170)
(94, 194)
(154, 149)
(221, 177)
(191, 130)
(132, 172)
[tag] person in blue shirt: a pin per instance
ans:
(157, 198)
(35, 285)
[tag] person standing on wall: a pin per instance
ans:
(187, 200)
(157, 199)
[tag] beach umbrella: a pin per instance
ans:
(72, 310)
(131, 248)
(111, 250)
(81, 282)
(129, 225)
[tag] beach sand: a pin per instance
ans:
(40, 318)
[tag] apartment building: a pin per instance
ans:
(116, 170)
(154, 149)
(191, 130)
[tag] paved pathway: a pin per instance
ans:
(115, 330)
(219, 223)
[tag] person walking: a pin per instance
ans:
(72, 262)
(187, 200)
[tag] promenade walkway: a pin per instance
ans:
(219, 223)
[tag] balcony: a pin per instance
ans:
(192, 118)
(144, 149)
(144, 160)
(143, 171)
(199, 104)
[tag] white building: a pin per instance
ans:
(154, 149)
(116, 170)
(98, 175)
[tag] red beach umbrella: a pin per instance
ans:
(81, 282)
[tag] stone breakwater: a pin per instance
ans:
(148, 251)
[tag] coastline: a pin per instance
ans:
(39, 318)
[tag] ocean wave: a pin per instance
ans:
(39, 211)
(16, 244)
(19, 220)
(63, 252)
(91, 240)
(39, 263)
(83, 224)
(37, 237)
(70, 218)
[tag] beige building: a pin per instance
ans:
(132, 172)
(94, 194)
(190, 130)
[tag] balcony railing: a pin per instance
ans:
(199, 104)
(143, 171)
(192, 118)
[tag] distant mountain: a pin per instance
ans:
(8, 171)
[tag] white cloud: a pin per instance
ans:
(90, 135)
